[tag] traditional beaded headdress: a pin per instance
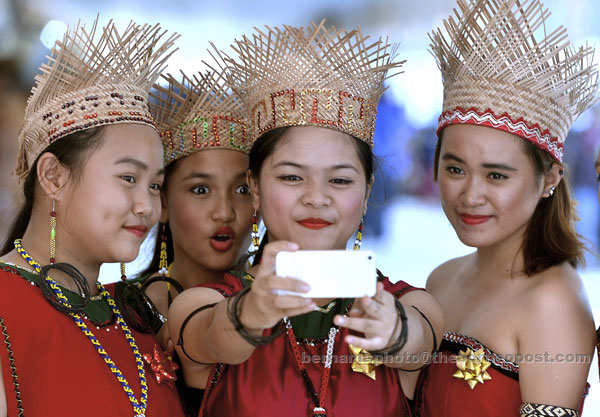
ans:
(88, 83)
(318, 76)
(199, 113)
(501, 69)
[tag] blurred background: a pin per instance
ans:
(404, 225)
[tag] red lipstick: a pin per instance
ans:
(139, 230)
(473, 219)
(314, 223)
(222, 239)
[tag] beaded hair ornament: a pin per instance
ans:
(198, 113)
(501, 69)
(319, 76)
(91, 82)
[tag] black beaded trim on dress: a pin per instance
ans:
(13, 368)
(456, 341)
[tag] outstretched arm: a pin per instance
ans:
(210, 336)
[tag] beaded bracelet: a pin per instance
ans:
(402, 338)
(233, 312)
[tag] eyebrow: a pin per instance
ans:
(137, 163)
(198, 175)
(299, 166)
(488, 165)
(205, 176)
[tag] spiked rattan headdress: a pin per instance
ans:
(502, 70)
(88, 83)
(199, 113)
(318, 76)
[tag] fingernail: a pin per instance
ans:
(292, 246)
(339, 320)
(304, 288)
(307, 301)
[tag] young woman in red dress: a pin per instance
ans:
(311, 95)
(519, 333)
(206, 206)
(92, 163)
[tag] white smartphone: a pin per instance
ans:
(330, 273)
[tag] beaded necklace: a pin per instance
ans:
(139, 407)
(319, 400)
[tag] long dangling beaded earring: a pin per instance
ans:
(123, 275)
(53, 233)
(49, 286)
(163, 265)
(358, 240)
(254, 234)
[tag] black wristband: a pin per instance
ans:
(435, 343)
(233, 312)
(182, 328)
(433, 351)
(402, 338)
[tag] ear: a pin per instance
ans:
(368, 193)
(254, 190)
(164, 214)
(552, 178)
(51, 174)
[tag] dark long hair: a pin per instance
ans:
(550, 238)
(72, 152)
(152, 267)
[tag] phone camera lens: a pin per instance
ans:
(370, 257)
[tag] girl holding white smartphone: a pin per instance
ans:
(311, 95)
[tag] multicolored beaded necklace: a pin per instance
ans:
(139, 407)
(319, 400)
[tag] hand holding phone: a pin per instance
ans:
(330, 273)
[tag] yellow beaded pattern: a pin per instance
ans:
(139, 407)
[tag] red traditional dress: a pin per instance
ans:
(269, 383)
(50, 368)
(444, 389)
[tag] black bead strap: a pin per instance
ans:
(402, 338)
(182, 328)
(233, 312)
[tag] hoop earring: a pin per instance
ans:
(254, 234)
(358, 240)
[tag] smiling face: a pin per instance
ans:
(312, 189)
(488, 185)
(208, 208)
(105, 215)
